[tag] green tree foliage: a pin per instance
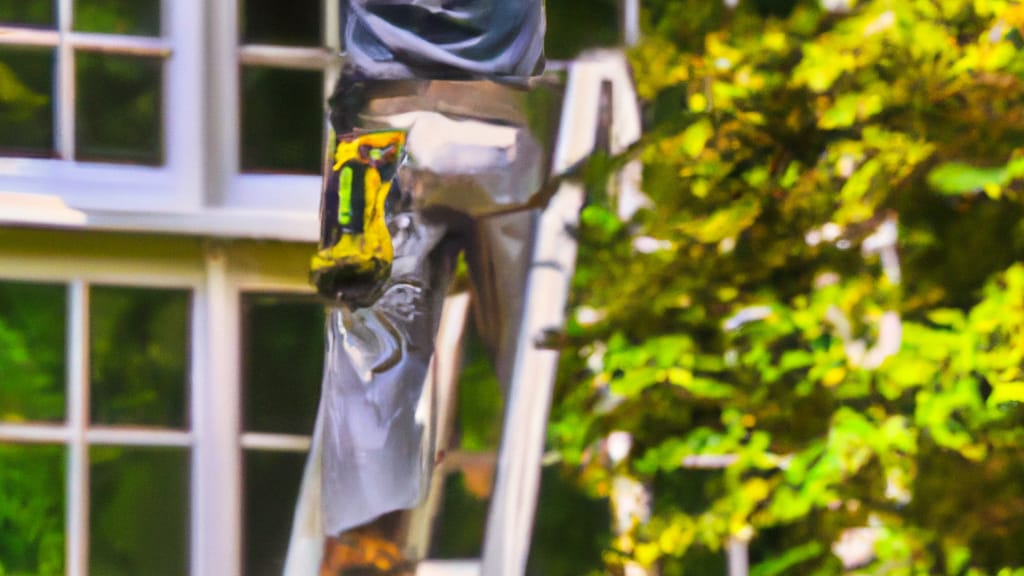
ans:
(754, 310)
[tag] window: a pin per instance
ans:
(282, 97)
(178, 115)
(95, 104)
(166, 115)
(94, 428)
(284, 58)
(156, 399)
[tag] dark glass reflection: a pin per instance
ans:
(481, 403)
(32, 509)
(565, 21)
(138, 511)
(294, 23)
(570, 528)
(282, 362)
(460, 525)
(139, 351)
(26, 105)
(32, 333)
(271, 488)
(282, 120)
(36, 13)
(458, 528)
(136, 17)
(118, 108)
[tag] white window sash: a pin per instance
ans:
(294, 196)
(175, 186)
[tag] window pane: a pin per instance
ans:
(32, 510)
(26, 111)
(282, 120)
(27, 12)
(32, 332)
(272, 482)
(459, 527)
(139, 348)
(480, 402)
(295, 23)
(118, 108)
(562, 502)
(139, 17)
(567, 18)
(138, 511)
(283, 355)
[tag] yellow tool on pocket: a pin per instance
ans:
(355, 255)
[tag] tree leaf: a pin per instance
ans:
(954, 178)
(728, 222)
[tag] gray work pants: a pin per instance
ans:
(474, 148)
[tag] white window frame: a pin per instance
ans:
(218, 483)
(174, 186)
(295, 196)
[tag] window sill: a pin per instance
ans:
(48, 210)
(87, 185)
(290, 193)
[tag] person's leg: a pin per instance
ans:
(375, 367)
(459, 165)
(370, 454)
